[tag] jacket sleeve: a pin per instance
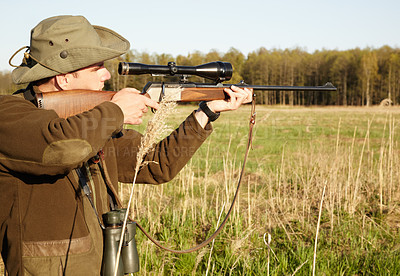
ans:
(36, 141)
(166, 159)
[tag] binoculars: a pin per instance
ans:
(129, 259)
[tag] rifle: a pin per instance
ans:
(182, 91)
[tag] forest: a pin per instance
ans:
(363, 77)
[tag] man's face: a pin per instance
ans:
(91, 77)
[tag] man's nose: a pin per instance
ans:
(105, 74)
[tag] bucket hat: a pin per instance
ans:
(66, 43)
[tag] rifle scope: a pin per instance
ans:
(217, 70)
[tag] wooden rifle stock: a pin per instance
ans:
(71, 102)
(197, 94)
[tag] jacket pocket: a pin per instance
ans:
(56, 248)
(64, 257)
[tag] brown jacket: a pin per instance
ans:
(47, 226)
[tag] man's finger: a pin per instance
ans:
(132, 90)
(151, 103)
(232, 98)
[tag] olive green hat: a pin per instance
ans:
(63, 44)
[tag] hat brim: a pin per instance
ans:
(112, 45)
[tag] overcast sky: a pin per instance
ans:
(183, 26)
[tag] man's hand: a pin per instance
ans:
(237, 97)
(133, 105)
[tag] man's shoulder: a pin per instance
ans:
(13, 98)
(16, 103)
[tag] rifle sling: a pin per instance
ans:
(86, 189)
(219, 229)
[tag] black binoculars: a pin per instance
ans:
(129, 259)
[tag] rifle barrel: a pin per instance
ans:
(327, 87)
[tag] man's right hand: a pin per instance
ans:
(133, 105)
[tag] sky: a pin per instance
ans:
(180, 27)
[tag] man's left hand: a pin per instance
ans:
(237, 97)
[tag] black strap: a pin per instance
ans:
(86, 190)
(212, 116)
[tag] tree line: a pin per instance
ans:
(363, 77)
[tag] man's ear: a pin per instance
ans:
(62, 81)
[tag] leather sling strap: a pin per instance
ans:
(214, 235)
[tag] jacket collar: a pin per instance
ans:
(29, 93)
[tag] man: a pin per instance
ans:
(48, 226)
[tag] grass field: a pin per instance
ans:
(320, 196)
(298, 153)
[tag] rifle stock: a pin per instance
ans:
(71, 102)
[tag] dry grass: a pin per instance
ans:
(352, 152)
(156, 129)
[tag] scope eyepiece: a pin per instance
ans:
(216, 71)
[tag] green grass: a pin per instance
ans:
(297, 152)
